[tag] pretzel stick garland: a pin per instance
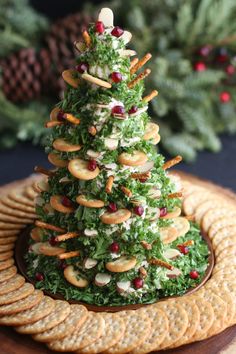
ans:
(140, 63)
(140, 77)
(43, 171)
(149, 97)
(53, 123)
(161, 263)
(172, 162)
(126, 191)
(175, 195)
(47, 226)
(133, 63)
(67, 236)
(109, 184)
(72, 119)
(70, 254)
(86, 38)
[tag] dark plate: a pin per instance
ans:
(22, 248)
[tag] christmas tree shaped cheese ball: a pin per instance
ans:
(109, 230)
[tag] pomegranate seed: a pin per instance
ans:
(117, 32)
(114, 247)
(200, 66)
(52, 241)
(112, 208)
(99, 27)
(133, 109)
(163, 211)
(118, 110)
(62, 264)
(116, 77)
(230, 69)
(139, 210)
(194, 274)
(82, 67)
(183, 249)
(39, 276)
(92, 165)
(138, 283)
(142, 180)
(225, 97)
(60, 115)
(66, 202)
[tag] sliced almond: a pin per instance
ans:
(174, 273)
(64, 146)
(79, 169)
(127, 52)
(106, 16)
(90, 233)
(35, 248)
(90, 263)
(102, 279)
(93, 154)
(146, 167)
(122, 264)
(154, 193)
(123, 286)
(56, 160)
(126, 36)
(74, 278)
(171, 253)
(111, 144)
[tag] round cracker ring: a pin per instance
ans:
(172, 214)
(79, 169)
(90, 203)
(56, 160)
(156, 139)
(137, 158)
(56, 203)
(117, 217)
(54, 114)
(182, 225)
(168, 234)
(122, 264)
(151, 131)
(36, 234)
(63, 146)
(47, 250)
(71, 77)
(73, 277)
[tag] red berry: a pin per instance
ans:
(199, 66)
(62, 264)
(163, 211)
(230, 69)
(66, 202)
(139, 210)
(60, 115)
(118, 110)
(133, 109)
(142, 180)
(39, 276)
(225, 97)
(193, 274)
(117, 32)
(138, 283)
(116, 77)
(52, 241)
(222, 58)
(99, 27)
(114, 247)
(183, 249)
(112, 208)
(82, 67)
(92, 165)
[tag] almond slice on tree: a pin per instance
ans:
(90, 203)
(73, 277)
(56, 160)
(64, 146)
(123, 286)
(127, 52)
(151, 131)
(48, 250)
(171, 253)
(174, 273)
(102, 279)
(106, 16)
(146, 167)
(56, 202)
(79, 169)
(117, 217)
(126, 36)
(90, 263)
(122, 264)
(137, 158)
(181, 225)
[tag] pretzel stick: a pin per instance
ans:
(146, 245)
(86, 38)
(72, 119)
(190, 217)
(161, 263)
(67, 255)
(187, 243)
(92, 130)
(172, 162)
(175, 195)
(133, 63)
(149, 97)
(140, 77)
(66, 236)
(53, 123)
(126, 191)
(44, 225)
(109, 184)
(141, 176)
(143, 272)
(43, 170)
(140, 63)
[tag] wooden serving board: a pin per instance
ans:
(224, 343)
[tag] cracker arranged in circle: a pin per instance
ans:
(219, 224)
(79, 169)
(18, 294)
(12, 284)
(191, 202)
(7, 240)
(114, 330)
(223, 271)
(136, 158)
(35, 313)
(6, 247)
(7, 263)
(18, 196)
(17, 205)
(168, 234)
(30, 192)
(159, 330)
(138, 328)
(6, 233)
(11, 226)
(214, 214)
(6, 255)
(7, 274)
(203, 208)
(228, 251)
(92, 329)
(27, 303)
(117, 217)
(60, 312)
(15, 219)
(90, 203)
(230, 240)
(74, 321)
(178, 322)
(222, 234)
(15, 212)
(224, 263)
(63, 146)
